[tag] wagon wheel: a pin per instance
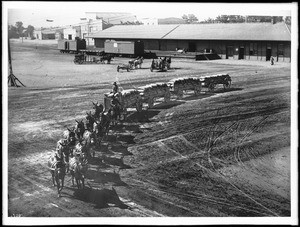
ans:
(76, 62)
(227, 85)
(150, 102)
(80, 61)
(139, 105)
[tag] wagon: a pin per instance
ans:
(153, 91)
(129, 98)
(211, 82)
(179, 85)
(83, 57)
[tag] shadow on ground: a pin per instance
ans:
(101, 198)
(105, 177)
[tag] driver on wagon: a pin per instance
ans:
(115, 88)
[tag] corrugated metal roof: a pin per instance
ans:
(237, 31)
(135, 31)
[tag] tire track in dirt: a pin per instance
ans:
(215, 172)
(199, 197)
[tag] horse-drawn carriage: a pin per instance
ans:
(211, 82)
(132, 64)
(129, 98)
(161, 64)
(151, 92)
(179, 85)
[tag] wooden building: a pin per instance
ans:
(249, 41)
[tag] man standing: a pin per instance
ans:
(272, 60)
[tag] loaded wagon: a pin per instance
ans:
(179, 85)
(124, 48)
(211, 82)
(129, 98)
(151, 92)
(71, 46)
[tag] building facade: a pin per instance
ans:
(247, 41)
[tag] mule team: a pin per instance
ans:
(77, 145)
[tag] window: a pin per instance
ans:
(280, 49)
(253, 49)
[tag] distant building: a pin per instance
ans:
(113, 18)
(71, 32)
(37, 33)
(48, 33)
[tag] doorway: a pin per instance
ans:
(229, 51)
(192, 47)
(70, 37)
(268, 54)
(241, 53)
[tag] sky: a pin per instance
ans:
(68, 13)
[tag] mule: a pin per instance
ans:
(70, 136)
(89, 121)
(64, 148)
(98, 109)
(78, 169)
(79, 129)
(89, 142)
(58, 172)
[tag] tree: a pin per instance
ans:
(12, 32)
(287, 20)
(20, 28)
(30, 30)
(190, 18)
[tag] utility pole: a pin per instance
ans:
(11, 78)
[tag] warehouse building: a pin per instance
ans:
(249, 41)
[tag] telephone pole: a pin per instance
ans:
(12, 79)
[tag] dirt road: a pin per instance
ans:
(220, 154)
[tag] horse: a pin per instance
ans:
(79, 129)
(58, 172)
(168, 61)
(78, 169)
(136, 62)
(107, 58)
